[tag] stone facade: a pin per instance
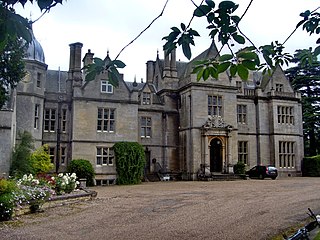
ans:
(181, 122)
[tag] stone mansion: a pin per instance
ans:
(181, 122)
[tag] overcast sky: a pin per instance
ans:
(109, 25)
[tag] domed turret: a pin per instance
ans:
(35, 51)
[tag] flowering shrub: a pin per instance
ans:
(32, 191)
(7, 202)
(65, 183)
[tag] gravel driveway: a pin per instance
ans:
(246, 209)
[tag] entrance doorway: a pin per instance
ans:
(216, 155)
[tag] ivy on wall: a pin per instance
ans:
(130, 162)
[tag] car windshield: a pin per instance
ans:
(272, 168)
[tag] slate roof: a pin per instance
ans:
(56, 81)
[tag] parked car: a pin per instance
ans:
(262, 172)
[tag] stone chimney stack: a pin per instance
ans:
(74, 73)
(166, 68)
(173, 63)
(150, 71)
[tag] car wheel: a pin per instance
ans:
(261, 176)
(274, 178)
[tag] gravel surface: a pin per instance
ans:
(245, 209)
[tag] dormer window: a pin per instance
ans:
(279, 87)
(146, 98)
(106, 87)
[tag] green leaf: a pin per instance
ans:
(249, 64)
(200, 73)
(118, 64)
(175, 29)
(247, 55)
(243, 72)
(225, 57)
(238, 38)
(186, 50)
(43, 4)
(210, 3)
(201, 11)
(206, 74)
(233, 70)
(268, 60)
(316, 51)
(223, 67)
(91, 76)
(236, 19)
(183, 26)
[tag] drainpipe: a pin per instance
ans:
(191, 139)
(257, 129)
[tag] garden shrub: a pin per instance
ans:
(83, 169)
(130, 162)
(21, 163)
(7, 201)
(311, 166)
(40, 160)
(239, 168)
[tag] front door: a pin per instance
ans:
(216, 155)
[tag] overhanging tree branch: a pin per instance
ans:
(155, 19)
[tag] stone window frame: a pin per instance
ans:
(39, 76)
(52, 154)
(145, 127)
(243, 152)
(50, 119)
(285, 115)
(63, 155)
(279, 87)
(36, 116)
(287, 156)
(215, 105)
(242, 114)
(106, 118)
(104, 156)
(106, 87)
(146, 98)
(239, 86)
(64, 120)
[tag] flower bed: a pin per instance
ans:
(29, 192)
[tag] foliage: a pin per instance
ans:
(83, 169)
(223, 25)
(32, 191)
(98, 66)
(21, 163)
(15, 34)
(7, 187)
(40, 160)
(130, 162)
(65, 183)
(239, 168)
(311, 166)
(11, 67)
(305, 78)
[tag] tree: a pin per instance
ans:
(21, 163)
(305, 77)
(40, 160)
(14, 35)
(11, 67)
